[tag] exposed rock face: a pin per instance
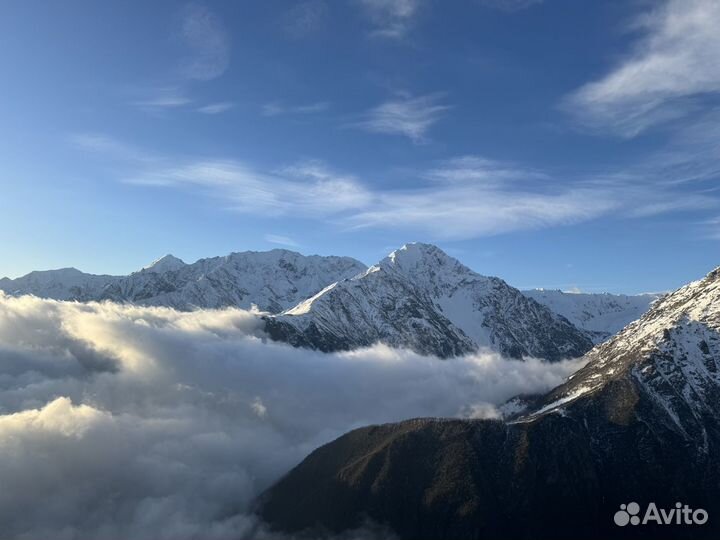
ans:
(641, 422)
(420, 298)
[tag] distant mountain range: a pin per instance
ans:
(600, 315)
(639, 423)
(271, 281)
(418, 298)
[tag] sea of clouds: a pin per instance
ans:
(135, 422)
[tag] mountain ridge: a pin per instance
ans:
(417, 297)
(420, 298)
(270, 280)
(640, 422)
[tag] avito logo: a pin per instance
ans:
(680, 515)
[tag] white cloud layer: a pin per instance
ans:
(672, 66)
(127, 422)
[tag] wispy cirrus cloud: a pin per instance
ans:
(478, 170)
(158, 99)
(276, 108)
(391, 18)
(216, 108)
(460, 198)
(208, 44)
(712, 228)
(667, 75)
(305, 18)
(691, 154)
(110, 147)
(205, 56)
(281, 240)
(472, 197)
(461, 212)
(304, 189)
(405, 115)
(509, 6)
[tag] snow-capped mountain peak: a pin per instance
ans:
(416, 254)
(417, 297)
(420, 298)
(167, 263)
(416, 259)
(272, 281)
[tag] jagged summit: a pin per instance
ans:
(416, 254)
(166, 263)
(424, 262)
(421, 298)
(270, 281)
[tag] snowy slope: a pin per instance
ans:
(167, 263)
(601, 315)
(61, 284)
(422, 299)
(671, 356)
(272, 281)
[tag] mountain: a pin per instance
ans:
(639, 423)
(600, 315)
(272, 281)
(671, 356)
(420, 298)
(167, 263)
(62, 284)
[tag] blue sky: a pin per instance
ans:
(553, 143)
